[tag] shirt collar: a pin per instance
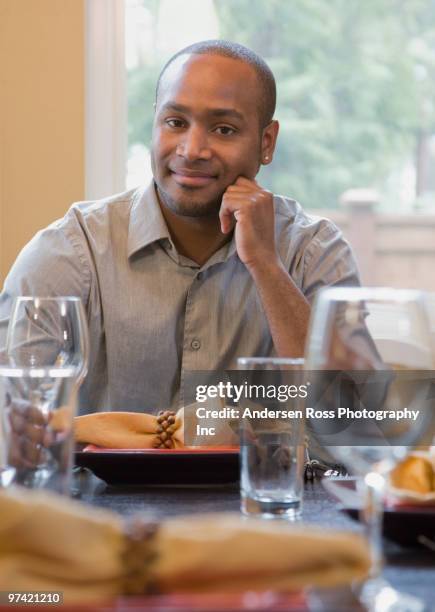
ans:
(146, 224)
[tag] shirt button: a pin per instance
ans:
(195, 344)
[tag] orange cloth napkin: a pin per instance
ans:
(132, 430)
(51, 543)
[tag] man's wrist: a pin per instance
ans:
(266, 269)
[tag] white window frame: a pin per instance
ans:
(105, 98)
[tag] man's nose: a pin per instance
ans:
(194, 144)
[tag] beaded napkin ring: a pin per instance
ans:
(138, 556)
(165, 429)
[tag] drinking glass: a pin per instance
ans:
(42, 365)
(271, 448)
(376, 346)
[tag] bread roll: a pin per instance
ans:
(415, 473)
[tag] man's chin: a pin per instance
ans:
(191, 203)
(196, 210)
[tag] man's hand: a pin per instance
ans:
(29, 435)
(251, 209)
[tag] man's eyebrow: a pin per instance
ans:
(226, 112)
(179, 108)
(214, 112)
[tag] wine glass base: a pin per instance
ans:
(377, 595)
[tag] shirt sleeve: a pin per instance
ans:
(53, 263)
(328, 261)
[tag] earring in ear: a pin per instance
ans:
(266, 158)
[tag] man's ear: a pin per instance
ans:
(268, 141)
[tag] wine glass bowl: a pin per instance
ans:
(375, 350)
(371, 352)
(42, 365)
(48, 333)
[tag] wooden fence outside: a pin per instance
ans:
(391, 250)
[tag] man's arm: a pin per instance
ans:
(286, 308)
(328, 261)
(50, 265)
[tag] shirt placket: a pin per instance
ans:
(195, 338)
(194, 333)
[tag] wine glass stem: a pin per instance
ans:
(372, 514)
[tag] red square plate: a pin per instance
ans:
(161, 466)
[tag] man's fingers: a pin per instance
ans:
(243, 195)
(35, 415)
(243, 185)
(243, 181)
(25, 410)
(29, 450)
(227, 220)
(17, 421)
(231, 204)
(23, 453)
(32, 453)
(239, 189)
(30, 434)
(34, 433)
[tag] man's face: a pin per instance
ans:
(206, 132)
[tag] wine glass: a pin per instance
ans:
(42, 365)
(370, 354)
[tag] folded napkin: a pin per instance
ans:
(51, 543)
(130, 430)
(227, 553)
(412, 481)
(143, 431)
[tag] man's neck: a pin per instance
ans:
(197, 238)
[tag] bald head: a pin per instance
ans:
(264, 75)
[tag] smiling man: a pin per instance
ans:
(202, 266)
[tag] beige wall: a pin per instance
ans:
(41, 117)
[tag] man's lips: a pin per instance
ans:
(192, 178)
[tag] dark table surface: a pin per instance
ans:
(410, 570)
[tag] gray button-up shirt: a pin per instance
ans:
(153, 314)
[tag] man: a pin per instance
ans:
(204, 265)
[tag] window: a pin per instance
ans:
(106, 103)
